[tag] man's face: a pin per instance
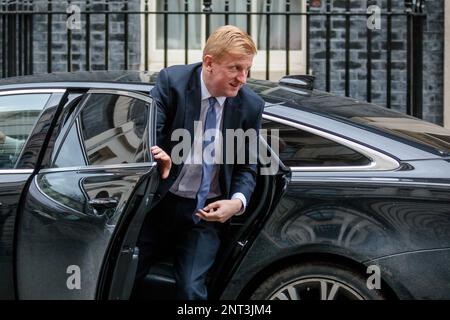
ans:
(226, 76)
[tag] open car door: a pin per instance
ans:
(80, 218)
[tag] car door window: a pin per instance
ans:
(18, 115)
(110, 129)
(300, 148)
(72, 153)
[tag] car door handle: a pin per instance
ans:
(103, 203)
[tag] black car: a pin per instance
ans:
(357, 207)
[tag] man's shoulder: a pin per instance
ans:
(182, 69)
(179, 76)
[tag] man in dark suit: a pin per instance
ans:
(196, 199)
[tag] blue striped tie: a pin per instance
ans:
(207, 166)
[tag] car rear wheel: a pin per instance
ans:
(316, 281)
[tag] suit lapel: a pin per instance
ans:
(193, 101)
(231, 119)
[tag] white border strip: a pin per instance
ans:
(16, 171)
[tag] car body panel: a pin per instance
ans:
(344, 218)
(11, 186)
(81, 85)
(59, 229)
(98, 77)
(421, 275)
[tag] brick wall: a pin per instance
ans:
(433, 48)
(433, 55)
(433, 74)
(97, 37)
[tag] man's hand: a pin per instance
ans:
(163, 160)
(220, 211)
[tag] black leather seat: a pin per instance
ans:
(159, 284)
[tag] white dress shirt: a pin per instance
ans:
(188, 181)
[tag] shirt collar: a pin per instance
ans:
(206, 94)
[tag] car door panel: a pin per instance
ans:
(11, 185)
(25, 117)
(81, 200)
(61, 231)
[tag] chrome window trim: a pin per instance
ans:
(100, 167)
(379, 161)
(16, 171)
(297, 177)
(30, 91)
(123, 93)
(81, 140)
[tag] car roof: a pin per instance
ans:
(120, 79)
(121, 76)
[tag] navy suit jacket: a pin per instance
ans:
(178, 98)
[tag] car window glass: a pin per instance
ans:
(18, 115)
(110, 129)
(71, 153)
(299, 148)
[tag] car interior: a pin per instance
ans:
(159, 284)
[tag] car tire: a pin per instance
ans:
(316, 281)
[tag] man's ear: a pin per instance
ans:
(207, 62)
